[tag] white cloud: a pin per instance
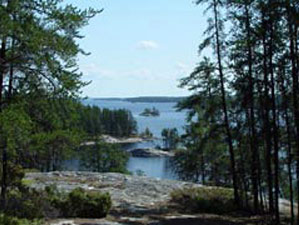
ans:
(93, 70)
(147, 45)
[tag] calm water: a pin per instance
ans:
(169, 118)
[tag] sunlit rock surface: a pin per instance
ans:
(136, 199)
(133, 193)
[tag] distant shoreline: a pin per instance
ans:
(147, 99)
(114, 140)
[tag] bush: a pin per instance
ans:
(50, 203)
(27, 203)
(6, 220)
(205, 200)
(91, 205)
(23, 202)
(80, 203)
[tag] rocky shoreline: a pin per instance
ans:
(113, 140)
(139, 152)
(149, 152)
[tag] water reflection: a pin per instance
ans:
(157, 167)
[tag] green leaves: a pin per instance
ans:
(15, 127)
(103, 157)
(170, 138)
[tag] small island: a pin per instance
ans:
(150, 112)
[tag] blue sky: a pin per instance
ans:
(140, 47)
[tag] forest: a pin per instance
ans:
(147, 99)
(243, 117)
(96, 121)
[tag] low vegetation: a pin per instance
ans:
(34, 204)
(205, 200)
(7, 220)
(80, 203)
(26, 205)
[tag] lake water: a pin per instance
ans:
(169, 118)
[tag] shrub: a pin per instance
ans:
(205, 200)
(6, 220)
(21, 201)
(27, 203)
(88, 204)
(50, 203)
(80, 203)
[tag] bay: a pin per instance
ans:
(157, 167)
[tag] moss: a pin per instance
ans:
(27, 182)
(31, 170)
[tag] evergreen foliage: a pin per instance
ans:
(205, 200)
(103, 157)
(95, 121)
(150, 112)
(244, 104)
(147, 133)
(39, 79)
(170, 138)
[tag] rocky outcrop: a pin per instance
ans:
(113, 140)
(136, 200)
(148, 152)
(128, 192)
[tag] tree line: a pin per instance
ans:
(96, 121)
(243, 128)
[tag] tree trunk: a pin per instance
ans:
(290, 165)
(224, 106)
(274, 126)
(266, 117)
(294, 61)
(4, 151)
(11, 72)
(203, 174)
(253, 143)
